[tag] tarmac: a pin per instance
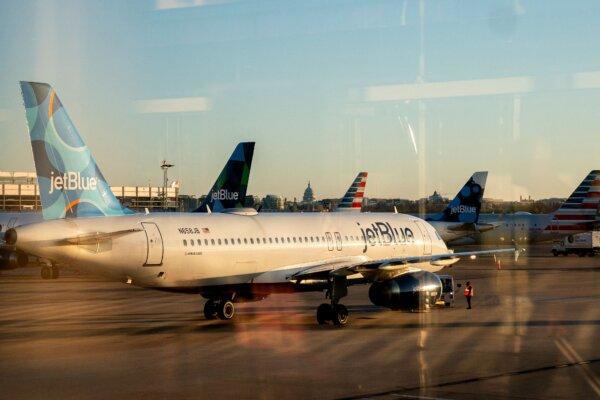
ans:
(533, 333)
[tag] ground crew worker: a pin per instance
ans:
(468, 293)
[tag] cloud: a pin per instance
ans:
(172, 4)
(175, 105)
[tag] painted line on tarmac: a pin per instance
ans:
(398, 392)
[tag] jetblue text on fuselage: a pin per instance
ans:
(384, 234)
(225, 194)
(72, 181)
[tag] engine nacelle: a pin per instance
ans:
(412, 291)
(11, 259)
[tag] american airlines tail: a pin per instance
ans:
(70, 181)
(466, 205)
(229, 191)
(353, 198)
(580, 211)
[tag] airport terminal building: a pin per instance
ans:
(19, 191)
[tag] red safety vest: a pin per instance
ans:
(469, 291)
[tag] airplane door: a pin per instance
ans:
(154, 254)
(338, 241)
(329, 241)
(426, 239)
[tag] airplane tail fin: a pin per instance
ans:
(229, 191)
(69, 179)
(353, 198)
(466, 205)
(580, 211)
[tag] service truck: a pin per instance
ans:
(582, 244)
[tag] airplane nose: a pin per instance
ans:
(10, 237)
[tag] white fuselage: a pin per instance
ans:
(191, 251)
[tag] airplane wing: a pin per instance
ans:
(388, 266)
(472, 227)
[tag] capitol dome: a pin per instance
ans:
(309, 196)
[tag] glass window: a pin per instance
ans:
(199, 242)
(206, 242)
(245, 240)
(251, 241)
(212, 241)
(277, 240)
(192, 242)
(225, 241)
(239, 241)
(184, 242)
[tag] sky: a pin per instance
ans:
(418, 93)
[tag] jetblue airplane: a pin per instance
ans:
(225, 257)
(226, 195)
(461, 217)
(579, 213)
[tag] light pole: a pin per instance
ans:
(165, 166)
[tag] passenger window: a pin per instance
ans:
(270, 240)
(245, 241)
(191, 242)
(288, 239)
(225, 240)
(239, 241)
(206, 242)
(312, 239)
(305, 239)
(251, 241)
(294, 239)
(184, 242)
(277, 240)
(199, 242)
(212, 241)
(300, 239)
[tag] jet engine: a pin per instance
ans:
(412, 291)
(11, 259)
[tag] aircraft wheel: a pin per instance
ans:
(54, 274)
(340, 315)
(46, 272)
(324, 313)
(226, 310)
(210, 310)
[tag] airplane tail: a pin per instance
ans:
(466, 205)
(70, 182)
(353, 198)
(579, 212)
(229, 191)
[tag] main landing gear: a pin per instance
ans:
(334, 311)
(222, 308)
(49, 271)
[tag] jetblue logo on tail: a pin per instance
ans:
(72, 181)
(225, 194)
(463, 209)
